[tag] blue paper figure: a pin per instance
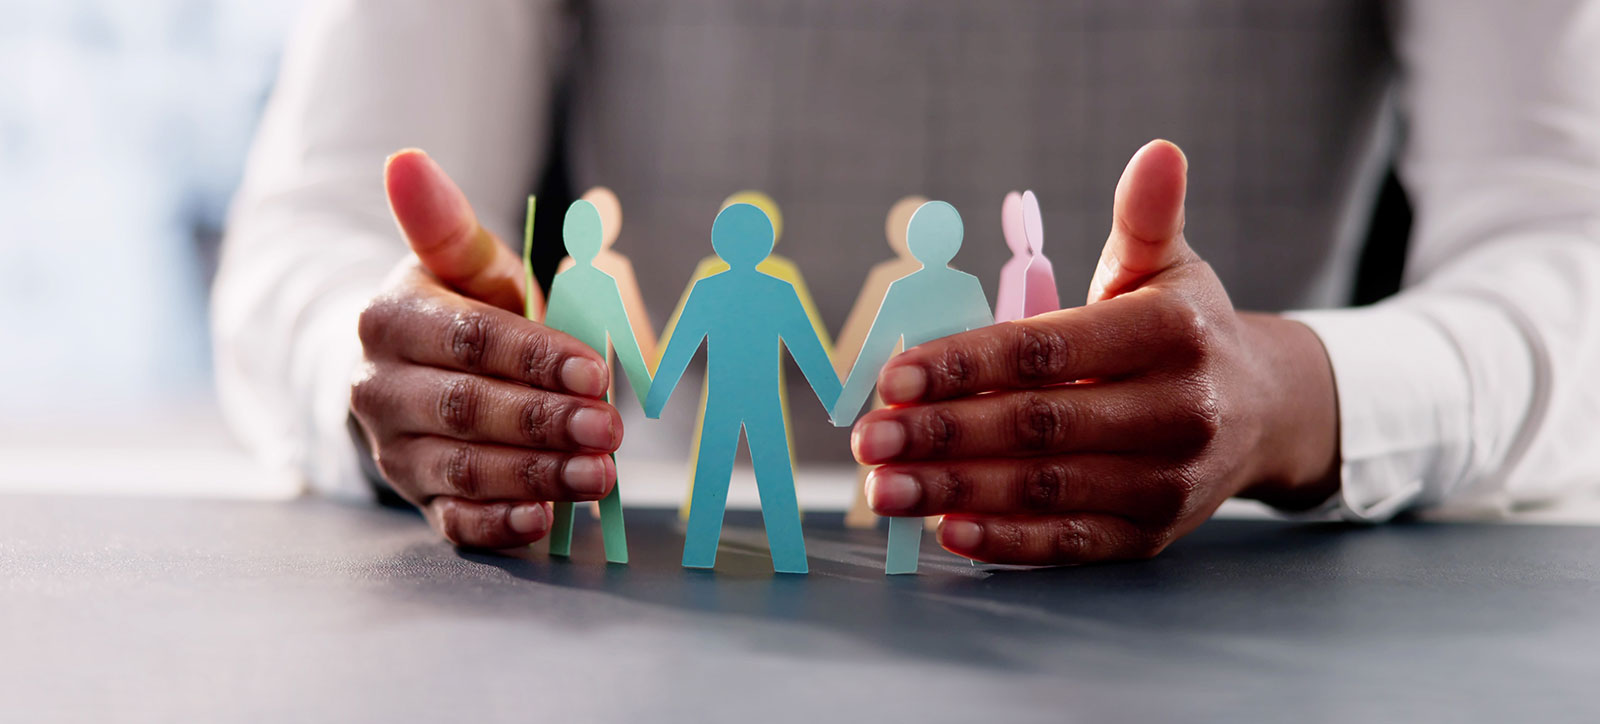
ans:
(932, 302)
(586, 303)
(746, 319)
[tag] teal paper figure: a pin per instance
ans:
(586, 303)
(746, 318)
(932, 302)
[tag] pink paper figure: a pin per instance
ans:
(1039, 278)
(1008, 299)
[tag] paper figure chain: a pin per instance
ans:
(746, 306)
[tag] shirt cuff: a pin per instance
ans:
(1404, 405)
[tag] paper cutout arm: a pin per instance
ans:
(813, 317)
(681, 341)
(629, 356)
(701, 271)
(638, 315)
(809, 352)
(854, 333)
(875, 352)
(529, 309)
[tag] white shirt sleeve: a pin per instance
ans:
(310, 237)
(1478, 386)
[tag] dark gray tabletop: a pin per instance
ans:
(161, 610)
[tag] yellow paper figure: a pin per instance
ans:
(859, 323)
(774, 265)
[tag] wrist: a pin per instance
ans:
(1297, 453)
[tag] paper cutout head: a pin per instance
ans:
(1011, 224)
(934, 234)
(894, 228)
(742, 235)
(763, 202)
(581, 232)
(605, 201)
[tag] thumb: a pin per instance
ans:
(439, 225)
(1146, 222)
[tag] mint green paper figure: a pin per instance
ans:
(932, 302)
(586, 303)
(746, 318)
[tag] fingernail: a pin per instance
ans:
(527, 518)
(586, 474)
(960, 535)
(584, 377)
(879, 440)
(892, 491)
(903, 384)
(592, 428)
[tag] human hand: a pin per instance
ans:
(473, 413)
(1113, 429)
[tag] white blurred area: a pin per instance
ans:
(123, 130)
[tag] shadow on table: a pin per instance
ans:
(1296, 581)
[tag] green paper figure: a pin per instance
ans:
(932, 302)
(587, 304)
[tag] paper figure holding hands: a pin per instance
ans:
(935, 301)
(587, 303)
(619, 268)
(1039, 278)
(746, 318)
(859, 322)
(773, 265)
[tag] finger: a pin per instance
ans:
(413, 400)
(493, 525)
(1118, 484)
(448, 331)
(1085, 417)
(428, 465)
(443, 231)
(1116, 339)
(1146, 221)
(1048, 540)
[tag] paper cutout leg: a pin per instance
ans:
(780, 512)
(699, 424)
(719, 442)
(612, 529)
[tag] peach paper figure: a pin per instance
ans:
(859, 322)
(934, 301)
(746, 319)
(773, 265)
(1009, 297)
(1039, 278)
(586, 303)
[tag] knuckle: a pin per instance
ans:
(539, 362)
(951, 490)
(468, 339)
(1039, 355)
(461, 474)
(373, 324)
(541, 418)
(451, 525)
(535, 473)
(940, 432)
(1184, 321)
(1040, 422)
(364, 392)
(1070, 541)
(1044, 487)
(1007, 539)
(954, 371)
(459, 403)
(1199, 412)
